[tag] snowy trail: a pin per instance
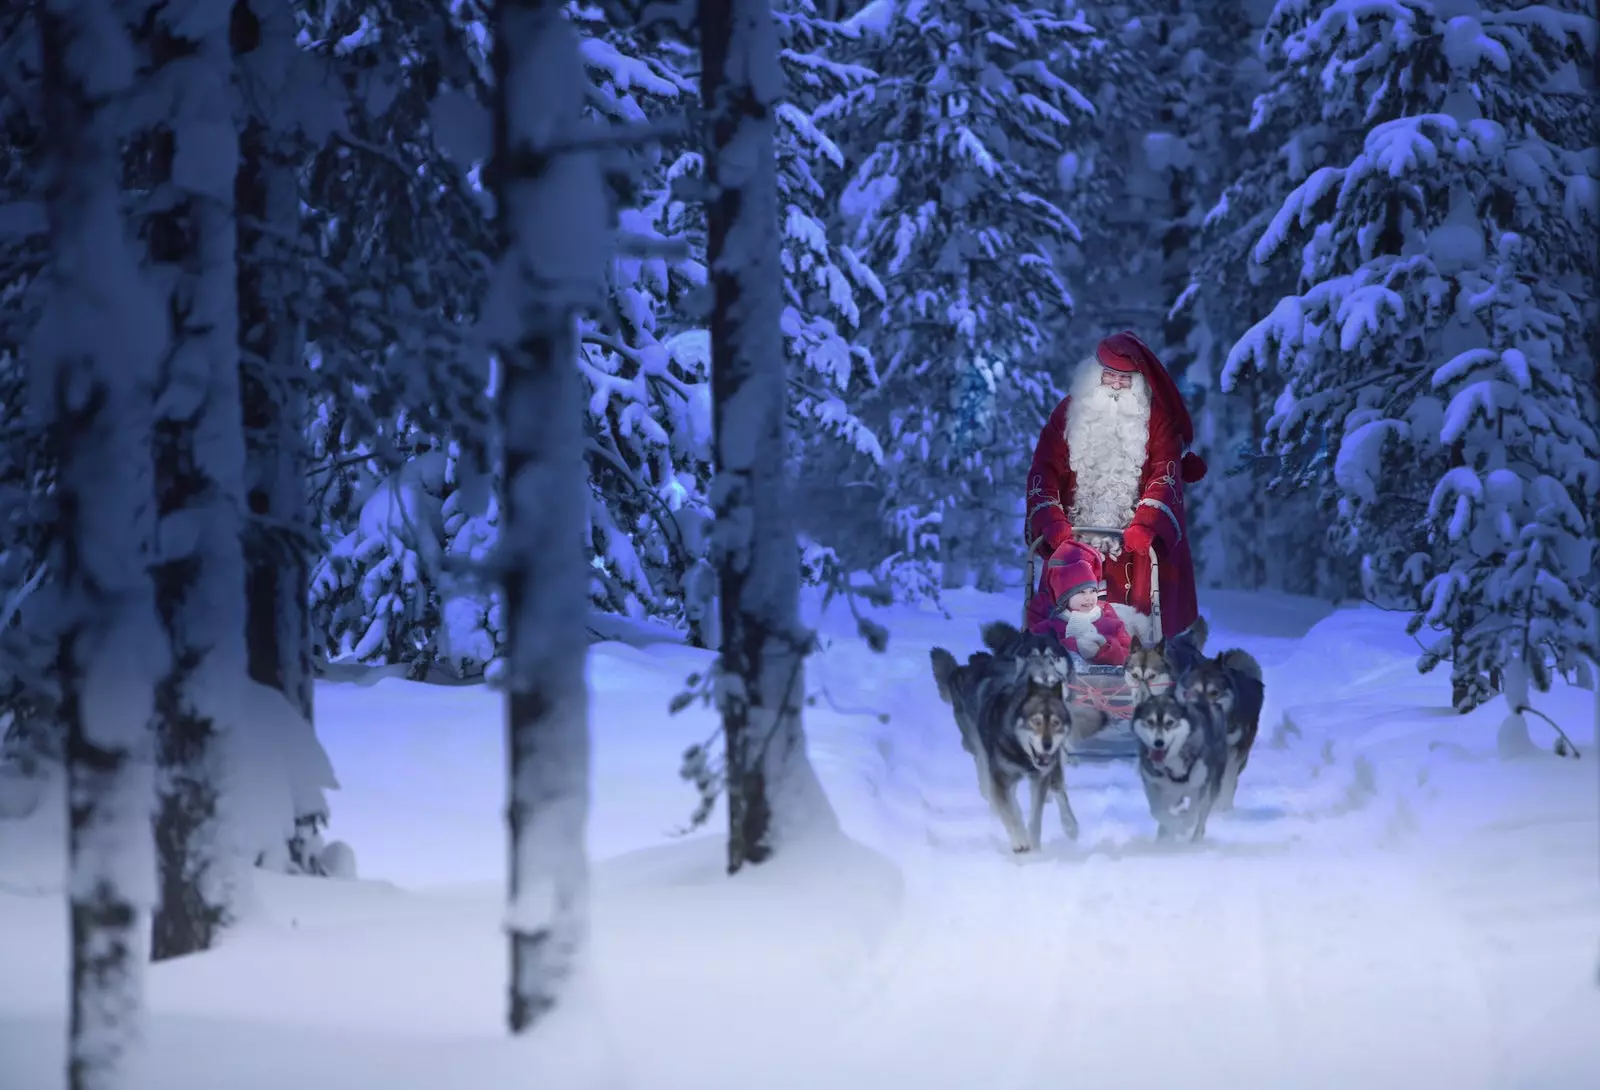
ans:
(1392, 904)
(1293, 950)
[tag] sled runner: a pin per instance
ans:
(1100, 688)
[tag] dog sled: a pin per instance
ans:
(1097, 689)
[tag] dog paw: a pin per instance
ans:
(1070, 830)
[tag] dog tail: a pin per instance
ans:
(1243, 661)
(1198, 633)
(1000, 636)
(944, 670)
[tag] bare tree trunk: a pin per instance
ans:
(91, 371)
(553, 214)
(272, 381)
(772, 791)
(199, 443)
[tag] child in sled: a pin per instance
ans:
(1079, 620)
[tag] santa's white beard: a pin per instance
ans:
(1108, 433)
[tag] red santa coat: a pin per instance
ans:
(1052, 491)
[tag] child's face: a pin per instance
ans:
(1084, 601)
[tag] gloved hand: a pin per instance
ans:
(1138, 539)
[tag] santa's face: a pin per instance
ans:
(1116, 380)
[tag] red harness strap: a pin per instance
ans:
(1101, 699)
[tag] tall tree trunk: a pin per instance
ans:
(772, 792)
(91, 371)
(553, 215)
(199, 483)
(271, 376)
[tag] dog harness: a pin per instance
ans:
(1164, 772)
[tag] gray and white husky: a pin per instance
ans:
(1230, 685)
(1012, 711)
(1183, 755)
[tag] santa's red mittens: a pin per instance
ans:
(1138, 539)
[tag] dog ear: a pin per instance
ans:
(1135, 644)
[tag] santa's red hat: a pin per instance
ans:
(1074, 566)
(1112, 359)
(1125, 353)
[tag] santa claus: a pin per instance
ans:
(1109, 470)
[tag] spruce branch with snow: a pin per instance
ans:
(554, 215)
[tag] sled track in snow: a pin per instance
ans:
(1118, 964)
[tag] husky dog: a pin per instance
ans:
(1154, 668)
(1007, 641)
(1150, 671)
(1010, 641)
(1230, 685)
(1183, 752)
(1013, 715)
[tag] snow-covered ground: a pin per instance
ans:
(1393, 905)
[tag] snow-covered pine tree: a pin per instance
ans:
(402, 242)
(553, 207)
(645, 361)
(1115, 181)
(1169, 101)
(830, 366)
(1263, 529)
(1438, 333)
(1518, 510)
(274, 147)
(203, 735)
(774, 797)
(829, 294)
(955, 201)
(376, 597)
(1193, 52)
(92, 369)
(648, 441)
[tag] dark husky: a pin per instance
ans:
(1012, 710)
(1230, 685)
(1183, 753)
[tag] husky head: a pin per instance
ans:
(1150, 671)
(1042, 725)
(1162, 726)
(1209, 683)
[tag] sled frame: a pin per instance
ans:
(1102, 689)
